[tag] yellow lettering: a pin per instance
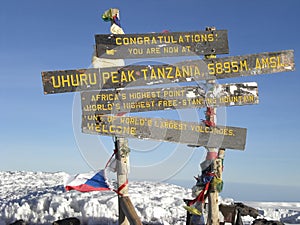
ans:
(67, 81)
(219, 68)
(211, 37)
(273, 62)
(153, 75)
(180, 39)
(227, 68)
(173, 40)
(235, 66)
(123, 96)
(197, 38)
(140, 40)
(161, 73)
(171, 49)
(123, 77)
(187, 36)
(186, 72)
(211, 68)
(204, 37)
(58, 84)
(196, 71)
(257, 64)
(169, 69)
(91, 126)
(251, 98)
(279, 64)
(160, 39)
(119, 41)
(178, 72)
(131, 76)
(136, 51)
(74, 84)
(105, 77)
(153, 41)
(244, 65)
(265, 63)
(153, 51)
(93, 82)
(145, 73)
(114, 77)
(147, 40)
(167, 39)
(95, 98)
(126, 41)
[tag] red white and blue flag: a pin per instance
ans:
(92, 181)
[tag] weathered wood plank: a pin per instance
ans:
(146, 75)
(165, 130)
(152, 45)
(181, 97)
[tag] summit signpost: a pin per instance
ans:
(108, 91)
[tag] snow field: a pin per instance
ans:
(40, 198)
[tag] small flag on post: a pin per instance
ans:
(113, 16)
(107, 15)
(87, 182)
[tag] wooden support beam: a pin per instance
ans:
(213, 195)
(121, 146)
(129, 211)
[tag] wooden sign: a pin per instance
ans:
(181, 97)
(196, 70)
(153, 45)
(165, 130)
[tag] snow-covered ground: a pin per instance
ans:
(40, 198)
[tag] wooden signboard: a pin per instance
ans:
(165, 130)
(133, 76)
(181, 97)
(151, 45)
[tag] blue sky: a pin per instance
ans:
(42, 132)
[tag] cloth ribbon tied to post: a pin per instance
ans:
(112, 15)
(110, 165)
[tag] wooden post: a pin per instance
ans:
(213, 204)
(213, 195)
(127, 213)
(121, 146)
